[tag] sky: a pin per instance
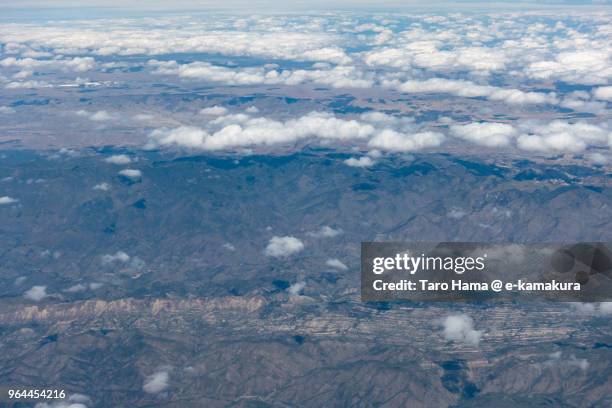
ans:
(292, 4)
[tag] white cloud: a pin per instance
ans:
(336, 264)
(427, 54)
(296, 288)
(6, 110)
(468, 89)
(118, 159)
(99, 116)
(76, 288)
(595, 309)
(485, 134)
(242, 131)
(364, 161)
(557, 359)
(283, 246)
(325, 232)
(586, 66)
(561, 136)
(336, 77)
(28, 85)
(214, 111)
(7, 200)
(392, 140)
(180, 35)
(131, 173)
(156, 382)
(36, 293)
(73, 401)
(603, 93)
(77, 64)
(119, 256)
(456, 213)
(102, 187)
(460, 328)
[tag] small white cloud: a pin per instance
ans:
(76, 288)
(556, 359)
(6, 110)
(101, 116)
(36, 293)
(156, 382)
(336, 264)
(456, 214)
(296, 288)
(283, 246)
(73, 401)
(595, 309)
(364, 161)
(102, 186)
(143, 117)
(214, 111)
(119, 256)
(325, 232)
(460, 328)
(118, 159)
(229, 246)
(131, 173)
(7, 200)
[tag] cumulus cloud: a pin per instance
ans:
(156, 382)
(586, 66)
(131, 173)
(79, 287)
(77, 64)
(336, 77)
(283, 246)
(6, 110)
(485, 134)
(214, 111)
(325, 232)
(242, 130)
(336, 264)
(469, 89)
(363, 161)
(36, 293)
(392, 140)
(593, 309)
(73, 401)
(98, 116)
(121, 38)
(557, 359)
(118, 159)
(102, 187)
(297, 288)
(460, 328)
(119, 256)
(603, 93)
(561, 136)
(7, 200)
